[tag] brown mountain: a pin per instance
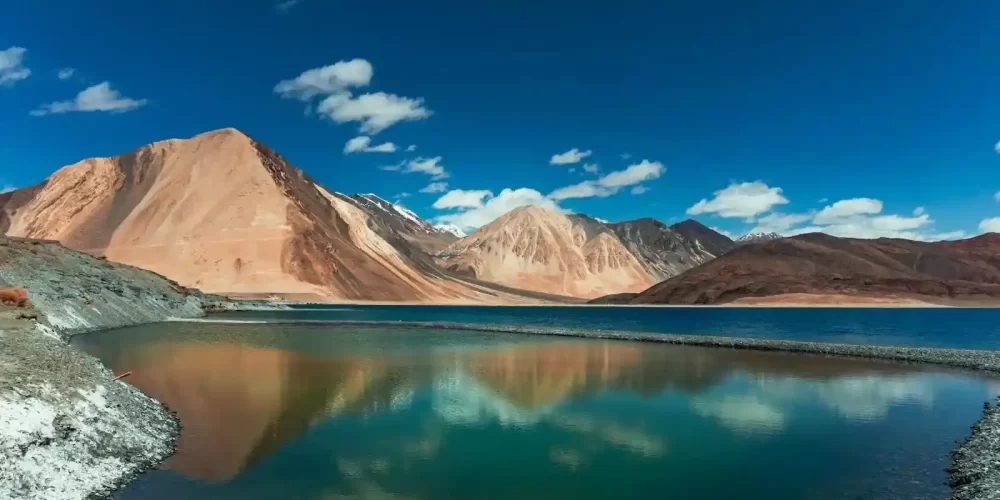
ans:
(547, 251)
(822, 265)
(224, 213)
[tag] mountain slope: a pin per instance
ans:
(822, 264)
(224, 213)
(543, 250)
(662, 251)
(709, 240)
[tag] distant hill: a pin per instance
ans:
(547, 251)
(821, 264)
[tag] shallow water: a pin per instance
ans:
(324, 412)
(932, 327)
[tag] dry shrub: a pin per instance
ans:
(14, 297)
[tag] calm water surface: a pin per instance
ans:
(324, 412)
(933, 327)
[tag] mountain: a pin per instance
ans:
(661, 250)
(452, 229)
(707, 239)
(756, 238)
(224, 213)
(547, 251)
(820, 268)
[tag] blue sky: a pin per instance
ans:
(852, 118)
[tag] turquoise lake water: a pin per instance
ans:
(330, 412)
(964, 328)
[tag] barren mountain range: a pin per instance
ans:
(818, 265)
(224, 213)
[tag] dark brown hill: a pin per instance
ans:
(822, 264)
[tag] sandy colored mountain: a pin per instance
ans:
(224, 213)
(539, 249)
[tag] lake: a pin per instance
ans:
(960, 328)
(329, 412)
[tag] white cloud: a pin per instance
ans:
(612, 182)
(285, 6)
(626, 156)
(332, 79)
(411, 148)
(591, 168)
(639, 189)
(996, 147)
(435, 187)
(375, 111)
(66, 73)
(395, 167)
(919, 211)
(740, 200)
(6, 188)
(429, 166)
(461, 198)
(779, 223)
(362, 143)
(400, 196)
(572, 156)
(478, 208)
(951, 235)
(990, 225)
(997, 196)
(100, 97)
(12, 65)
(848, 208)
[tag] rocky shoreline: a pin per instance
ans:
(68, 428)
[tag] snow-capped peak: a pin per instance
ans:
(451, 229)
(755, 237)
(405, 212)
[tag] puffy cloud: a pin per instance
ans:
(362, 144)
(461, 198)
(12, 65)
(848, 208)
(612, 182)
(639, 189)
(740, 200)
(919, 211)
(332, 79)
(879, 226)
(285, 6)
(435, 187)
(66, 73)
(779, 223)
(591, 168)
(100, 97)
(990, 225)
(429, 166)
(411, 148)
(374, 111)
(478, 208)
(572, 156)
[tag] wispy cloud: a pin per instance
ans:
(286, 5)
(66, 73)
(100, 97)
(362, 144)
(612, 182)
(569, 157)
(332, 84)
(12, 65)
(435, 187)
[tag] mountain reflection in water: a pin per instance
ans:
(242, 401)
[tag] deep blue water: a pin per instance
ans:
(932, 327)
(324, 412)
